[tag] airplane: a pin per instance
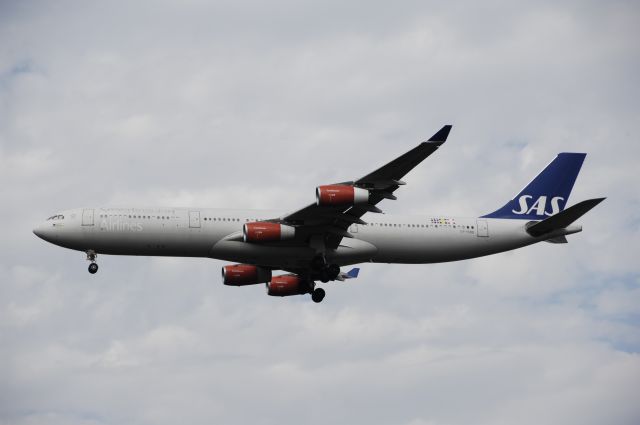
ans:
(343, 227)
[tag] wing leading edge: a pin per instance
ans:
(331, 223)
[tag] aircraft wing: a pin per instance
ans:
(331, 222)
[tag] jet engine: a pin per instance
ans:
(288, 284)
(339, 194)
(263, 231)
(245, 274)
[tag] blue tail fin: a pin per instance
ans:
(548, 193)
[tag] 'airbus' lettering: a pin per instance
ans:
(539, 206)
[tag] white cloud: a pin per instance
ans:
(251, 105)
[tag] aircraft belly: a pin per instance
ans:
(352, 251)
(442, 245)
(262, 254)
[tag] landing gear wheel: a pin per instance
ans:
(333, 270)
(93, 268)
(318, 295)
(324, 276)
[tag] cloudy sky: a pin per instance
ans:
(251, 104)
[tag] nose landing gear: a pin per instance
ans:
(91, 256)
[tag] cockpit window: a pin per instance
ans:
(56, 217)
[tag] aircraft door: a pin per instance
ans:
(194, 219)
(482, 228)
(87, 217)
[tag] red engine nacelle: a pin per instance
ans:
(339, 194)
(288, 284)
(263, 231)
(245, 274)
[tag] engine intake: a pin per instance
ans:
(288, 284)
(263, 231)
(245, 274)
(339, 194)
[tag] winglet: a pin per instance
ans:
(441, 136)
(353, 273)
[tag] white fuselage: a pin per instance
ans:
(217, 233)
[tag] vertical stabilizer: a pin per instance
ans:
(548, 193)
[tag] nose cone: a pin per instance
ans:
(44, 231)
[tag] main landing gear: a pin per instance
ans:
(91, 256)
(325, 272)
(318, 295)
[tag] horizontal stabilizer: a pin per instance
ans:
(563, 218)
(558, 239)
